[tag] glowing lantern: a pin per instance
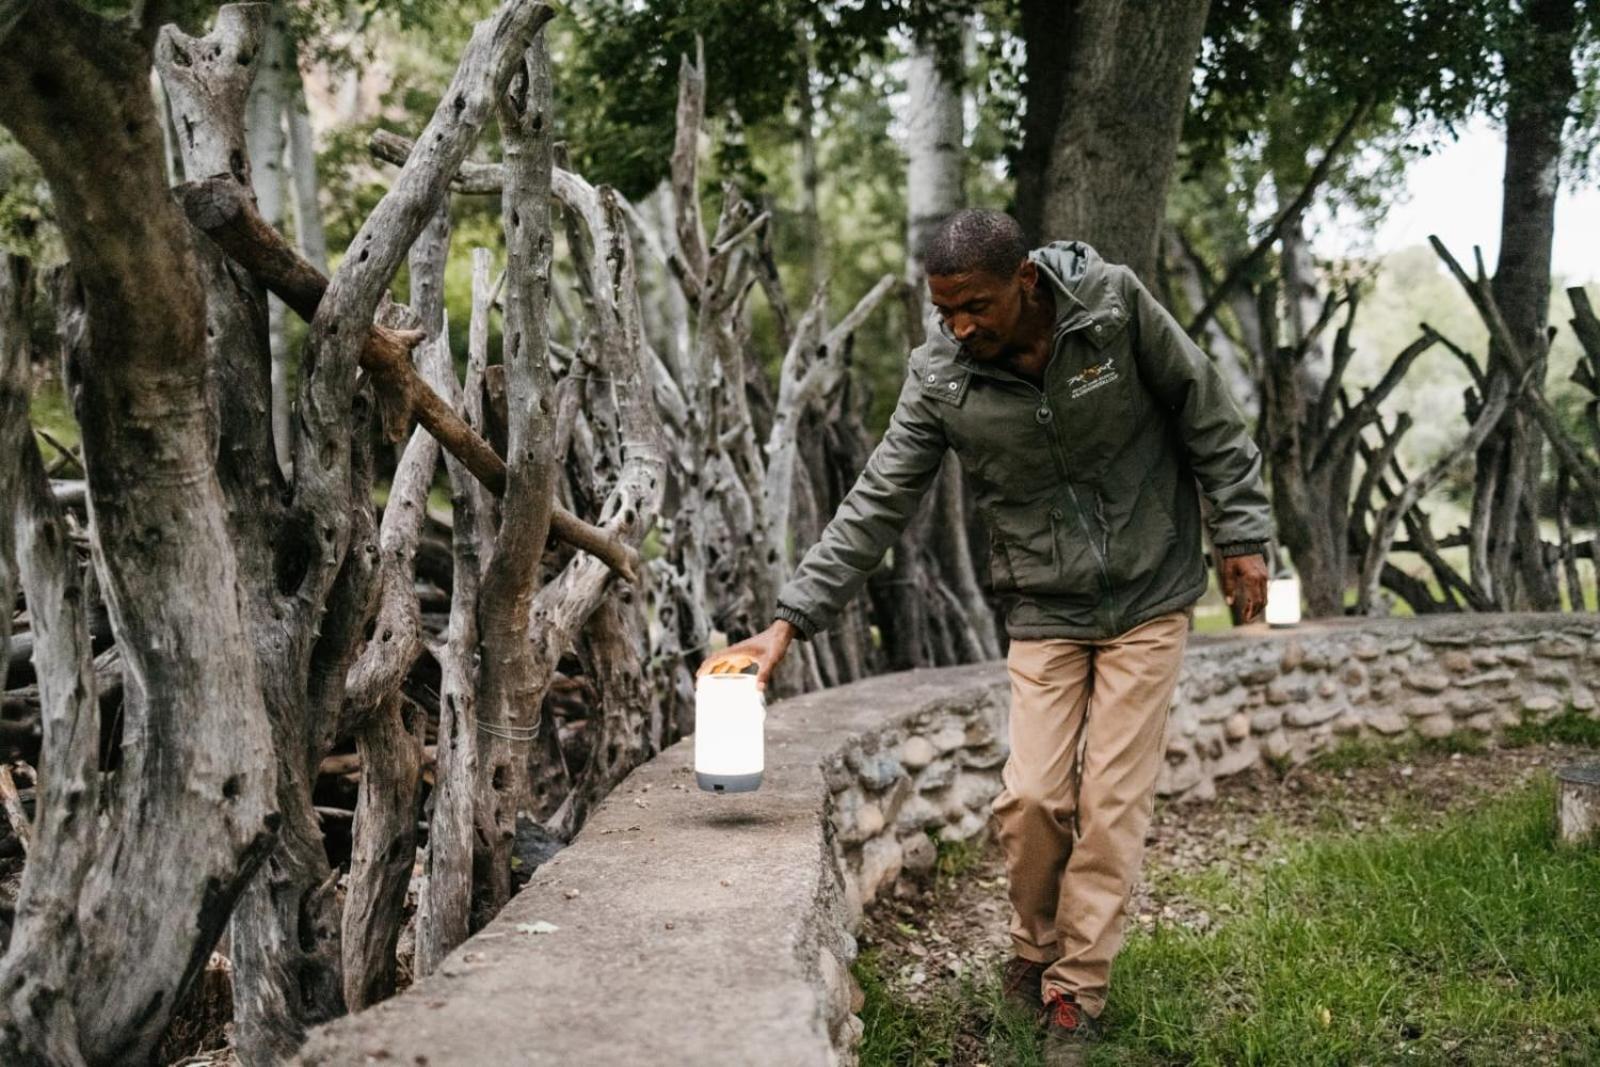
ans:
(1283, 601)
(729, 733)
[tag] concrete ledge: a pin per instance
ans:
(703, 930)
(696, 929)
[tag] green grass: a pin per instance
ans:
(1571, 727)
(1352, 754)
(50, 411)
(1476, 942)
(967, 1024)
(956, 858)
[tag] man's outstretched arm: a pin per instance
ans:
(869, 520)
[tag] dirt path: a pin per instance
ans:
(926, 937)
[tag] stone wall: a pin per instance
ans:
(684, 928)
(1272, 696)
(1242, 702)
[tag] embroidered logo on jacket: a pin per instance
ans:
(1091, 378)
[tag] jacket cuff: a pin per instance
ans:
(798, 619)
(1243, 548)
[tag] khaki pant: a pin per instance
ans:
(1087, 726)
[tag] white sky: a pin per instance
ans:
(1455, 193)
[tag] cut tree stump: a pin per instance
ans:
(1578, 804)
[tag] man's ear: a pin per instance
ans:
(1028, 275)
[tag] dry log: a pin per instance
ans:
(1389, 517)
(21, 825)
(509, 674)
(1578, 804)
(224, 211)
(444, 904)
(98, 984)
(341, 764)
(383, 850)
(1573, 454)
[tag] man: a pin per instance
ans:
(1083, 416)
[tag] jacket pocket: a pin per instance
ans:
(1039, 547)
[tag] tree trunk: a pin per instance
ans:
(1540, 83)
(1188, 282)
(115, 922)
(445, 903)
(308, 232)
(509, 677)
(264, 127)
(1578, 804)
(934, 154)
(1107, 85)
(388, 729)
(811, 231)
(936, 542)
(284, 932)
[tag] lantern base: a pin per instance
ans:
(728, 783)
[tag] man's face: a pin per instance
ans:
(982, 312)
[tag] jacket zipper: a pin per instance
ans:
(1044, 416)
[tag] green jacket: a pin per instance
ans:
(1087, 486)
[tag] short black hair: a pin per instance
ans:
(976, 239)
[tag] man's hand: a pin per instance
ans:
(765, 648)
(1244, 582)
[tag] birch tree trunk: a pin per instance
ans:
(934, 153)
(264, 128)
(935, 582)
(303, 187)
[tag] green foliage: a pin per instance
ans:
(956, 858)
(348, 34)
(1434, 58)
(27, 212)
(617, 73)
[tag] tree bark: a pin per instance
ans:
(934, 153)
(1540, 83)
(267, 139)
(508, 704)
(303, 188)
(937, 542)
(444, 904)
(111, 930)
(284, 931)
(1109, 81)
(1578, 804)
(389, 729)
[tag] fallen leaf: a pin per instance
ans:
(540, 927)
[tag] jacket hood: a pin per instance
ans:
(1076, 272)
